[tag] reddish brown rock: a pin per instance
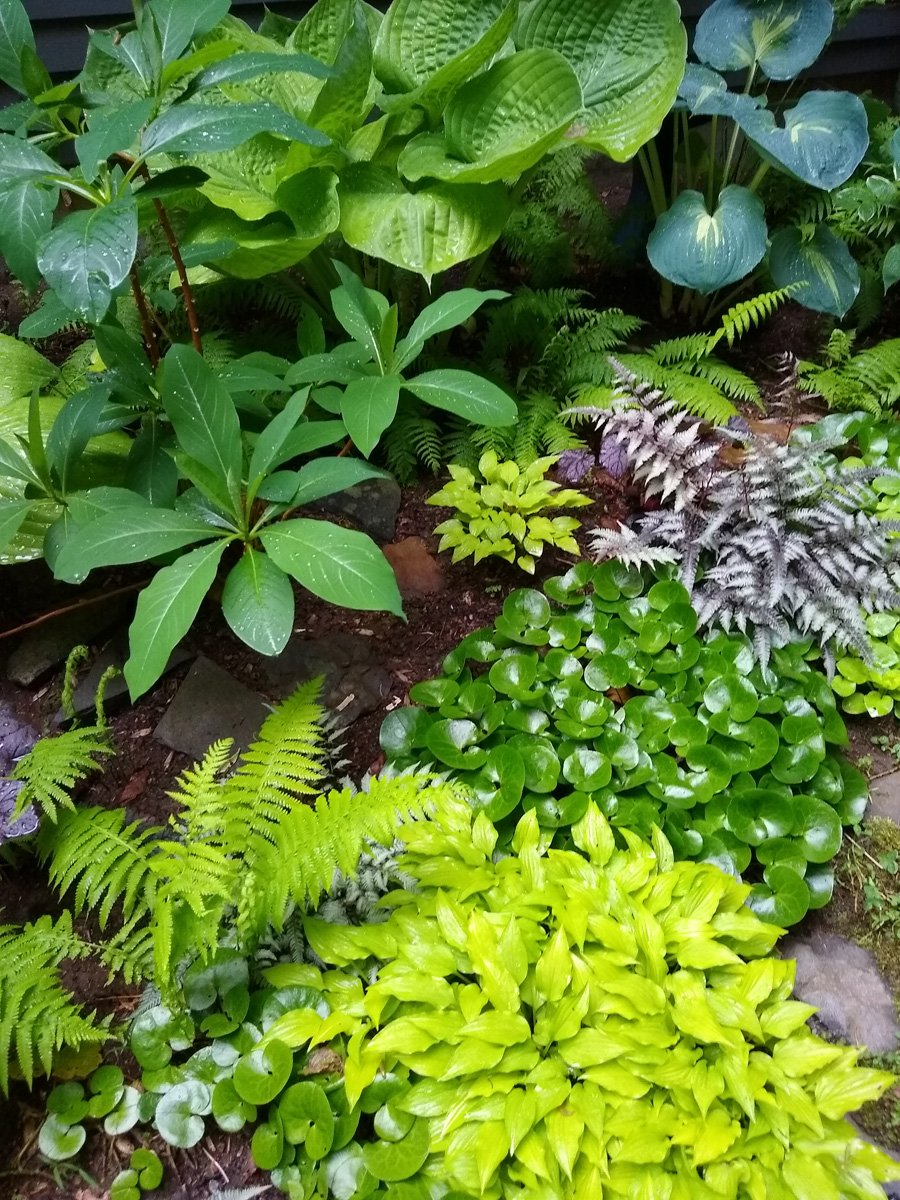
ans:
(418, 572)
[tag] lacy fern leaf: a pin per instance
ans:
(53, 767)
(37, 1014)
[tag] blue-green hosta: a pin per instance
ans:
(600, 691)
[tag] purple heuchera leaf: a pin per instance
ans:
(614, 457)
(573, 465)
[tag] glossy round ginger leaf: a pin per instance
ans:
(781, 36)
(586, 769)
(757, 815)
(817, 828)
(393, 1161)
(260, 1075)
(403, 730)
(179, 1114)
(526, 607)
(783, 899)
(734, 694)
(455, 743)
(539, 756)
(706, 251)
(628, 56)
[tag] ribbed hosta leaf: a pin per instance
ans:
(782, 36)
(822, 141)
(705, 94)
(426, 231)
(500, 123)
(696, 249)
(629, 58)
(430, 47)
(823, 267)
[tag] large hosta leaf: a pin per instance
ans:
(628, 55)
(500, 123)
(822, 141)
(781, 36)
(705, 93)
(425, 231)
(822, 267)
(696, 249)
(427, 48)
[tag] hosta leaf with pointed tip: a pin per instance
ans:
(500, 123)
(340, 565)
(782, 36)
(629, 57)
(890, 268)
(704, 251)
(822, 140)
(821, 269)
(705, 93)
(425, 231)
(166, 609)
(258, 603)
(88, 255)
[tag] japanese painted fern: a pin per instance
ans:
(779, 545)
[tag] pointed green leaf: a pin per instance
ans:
(208, 128)
(15, 36)
(466, 394)
(128, 536)
(704, 251)
(203, 415)
(258, 603)
(448, 311)
(180, 21)
(238, 67)
(88, 255)
(340, 565)
(26, 217)
(12, 517)
(110, 131)
(166, 609)
(368, 406)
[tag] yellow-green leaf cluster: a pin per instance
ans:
(603, 1023)
(503, 517)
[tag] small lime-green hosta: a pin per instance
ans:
(503, 517)
(872, 689)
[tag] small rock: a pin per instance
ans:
(50, 644)
(209, 705)
(418, 572)
(16, 739)
(884, 797)
(372, 506)
(843, 981)
(113, 654)
(353, 680)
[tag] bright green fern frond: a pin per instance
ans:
(52, 768)
(37, 1014)
(413, 438)
(676, 351)
(105, 860)
(728, 380)
(129, 952)
(690, 392)
(748, 314)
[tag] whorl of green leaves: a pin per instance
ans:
(599, 690)
(562, 1024)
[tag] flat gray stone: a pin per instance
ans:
(884, 797)
(46, 646)
(210, 705)
(113, 654)
(843, 981)
(372, 506)
(16, 739)
(354, 682)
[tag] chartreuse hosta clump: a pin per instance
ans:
(557, 1024)
(505, 516)
(711, 230)
(600, 691)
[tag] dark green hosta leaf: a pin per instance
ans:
(26, 217)
(88, 255)
(822, 139)
(704, 251)
(192, 128)
(258, 603)
(500, 123)
(425, 231)
(818, 829)
(465, 394)
(821, 269)
(783, 899)
(166, 609)
(629, 58)
(705, 93)
(781, 36)
(339, 565)
(179, 1114)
